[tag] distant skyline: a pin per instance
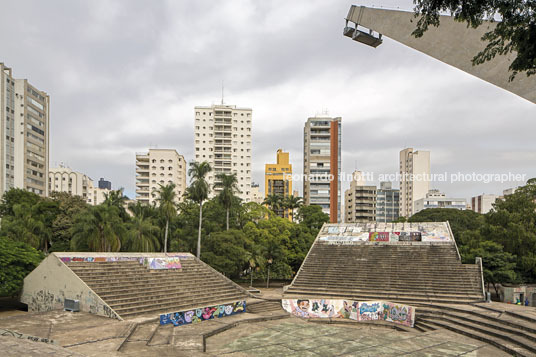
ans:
(125, 76)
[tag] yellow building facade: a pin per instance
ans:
(278, 180)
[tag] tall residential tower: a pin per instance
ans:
(414, 179)
(159, 167)
(24, 135)
(278, 180)
(223, 139)
(322, 164)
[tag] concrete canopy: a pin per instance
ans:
(452, 42)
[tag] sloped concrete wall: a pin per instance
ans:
(48, 285)
(452, 42)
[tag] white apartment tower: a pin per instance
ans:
(414, 179)
(24, 135)
(222, 137)
(159, 167)
(63, 179)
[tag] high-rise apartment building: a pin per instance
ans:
(222, 135)
(24, 135)
(387, 203)
(63, 179)
(278, 180)
(359, 201)
(159, 167)
(414, 179)
(322, 164)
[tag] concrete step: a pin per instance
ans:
(509, 344)
(113, 298)
(393, 297)
(178, 306)
(171, 298)
(399, 294)
(379, 289)
(383, 283)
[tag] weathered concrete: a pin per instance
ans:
(48, 285)
(452, 42)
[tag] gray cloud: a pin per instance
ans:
(126, 75)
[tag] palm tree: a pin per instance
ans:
(142, 235)
(166, 204)
(99, 228)
(198, 192)
(27, 226)
(272, 201)
(292, 203)
(229, 185)
(117, 199)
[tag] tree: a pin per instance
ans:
(515, 32)
(142, 234)
(228, 185)
(69, 206)
(274, 202)
(227, 252)
(292, 203)
(498, 266)
(198, 192)
(16, 196)
(166, 204)
(312, 217)
(116, 198)
(26, 225)
(17, 260)
(99, 229)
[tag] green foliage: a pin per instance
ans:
(17, 259)
(515, 32)
(227, 252)
(98, 229)
(166, 205)
(505, 237)
(498, 266)
(460, 221)
(68, 207)
(142, 232)
(228, 185)
(312, 216)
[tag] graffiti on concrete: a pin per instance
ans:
(164, 263)
(107, 310)
(385, 233)
(202, 314)
(42, 300)
(10, 333)
(353, 310)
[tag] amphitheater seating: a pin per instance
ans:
(130, 289)
(410, 273)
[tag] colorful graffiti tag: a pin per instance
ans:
(385, 233)
(164, 263)
(353, 310)
(202, 314)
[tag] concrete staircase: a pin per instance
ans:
(131, 289)
(514, 335)
(409, 273)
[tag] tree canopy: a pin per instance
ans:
(515, 31)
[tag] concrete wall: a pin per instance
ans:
(48, 285)
(452, 42)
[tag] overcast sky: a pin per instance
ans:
(124, 76)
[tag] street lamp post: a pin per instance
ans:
(268, 280)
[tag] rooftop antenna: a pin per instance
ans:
(222, 92)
